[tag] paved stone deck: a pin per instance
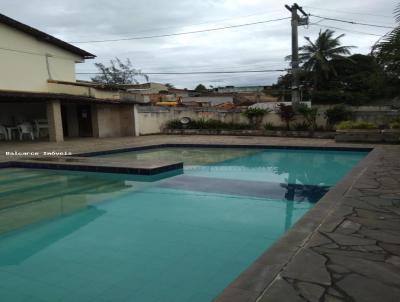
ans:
(347, 248)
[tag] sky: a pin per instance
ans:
(256, 47)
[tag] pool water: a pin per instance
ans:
(77, 236)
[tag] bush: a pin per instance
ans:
(356, 125)
(255, 115)
(310, 115)
(269, 126)
(287, 114)
(208, 125)
(337, 114)
(253, 112)
(395, 125)
(301, 126)
(174, 124)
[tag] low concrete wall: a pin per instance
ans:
(152, 119)
(368, 136)
(277, 133)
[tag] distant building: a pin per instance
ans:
(146, 88)
(242, 89)
(275, 105)
(206, 101)
(181, 92)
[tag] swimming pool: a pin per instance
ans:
(79, 236)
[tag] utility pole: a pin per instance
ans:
(296, 22)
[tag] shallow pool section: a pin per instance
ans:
(189, 156)
(76, 236)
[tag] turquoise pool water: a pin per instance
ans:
(75, 236)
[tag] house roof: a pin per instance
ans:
(7, 96)
(42, 36)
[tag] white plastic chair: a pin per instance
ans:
(3, 132)
(25, 128)
(40, 124)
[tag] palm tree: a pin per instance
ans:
(316, 57)
(387, 49)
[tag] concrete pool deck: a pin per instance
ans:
(347, 248)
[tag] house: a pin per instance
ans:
(147, 88)
(181, 92)
(37, 83)
(242, 89)
(275, 105)
(206, 101)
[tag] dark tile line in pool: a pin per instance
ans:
(7, 164)
(91, 168)
(149, 147)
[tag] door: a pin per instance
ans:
(84, 120)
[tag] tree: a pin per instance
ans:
(337, 114)
(387, 50)
(118, 73)
(316, 56)
(287, 114)
(169, 85)
(360, 82)
(283, 86)
(200, 88)
(364, 75)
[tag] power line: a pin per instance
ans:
(349, 30)
(352, 22)
(182, 33)
(201, 23)
(204, 68)
(198, 72)
(347, 12)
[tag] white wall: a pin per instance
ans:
(23, 62)
(153, 120)
(113, 120)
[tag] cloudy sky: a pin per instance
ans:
(255, 47)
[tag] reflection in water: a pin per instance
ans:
(259, 189)
(29, 196)
(39, 237)
(189, 156)
(286, 166)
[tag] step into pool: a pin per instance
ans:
(81, 236)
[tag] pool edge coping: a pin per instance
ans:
(256, 279)
(234, 146)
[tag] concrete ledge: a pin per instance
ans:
(211, 145)
(103, 165)
(273, 133)
(370, 136)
